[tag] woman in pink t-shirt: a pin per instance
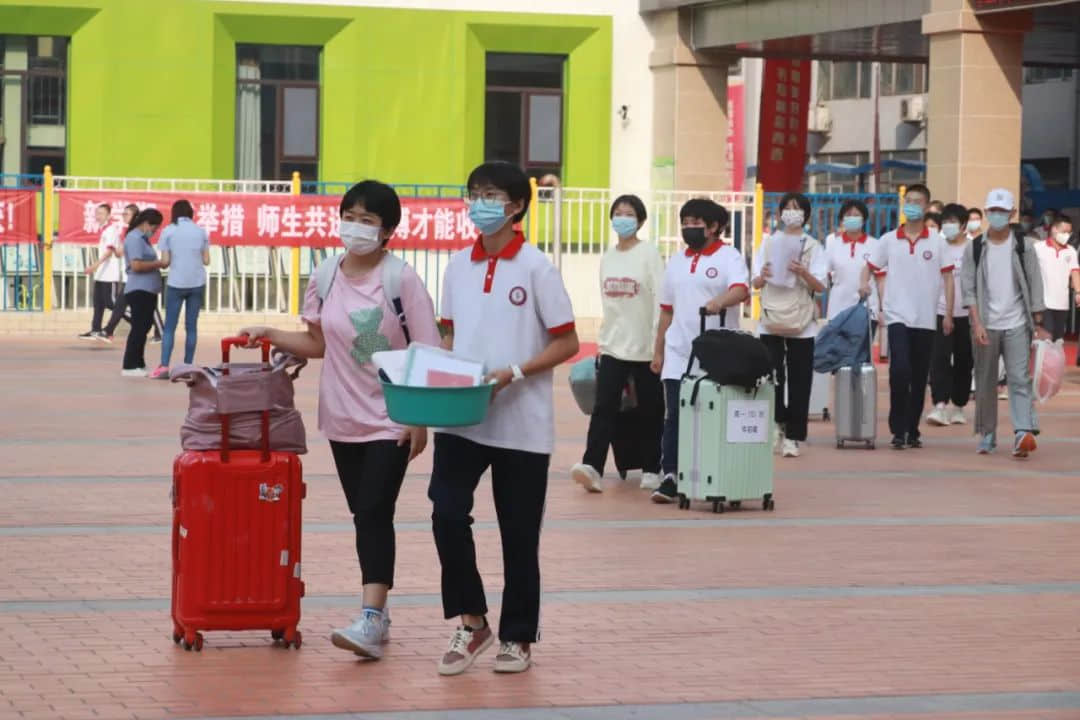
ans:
(371, 452)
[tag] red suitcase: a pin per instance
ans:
(236, 538)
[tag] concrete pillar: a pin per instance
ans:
(16, 57)
(975, 111)
(689, 108)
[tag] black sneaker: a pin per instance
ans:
(667, 492)
(898, 443)
(914, 442)
(88, 335)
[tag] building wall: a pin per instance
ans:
(152, 84)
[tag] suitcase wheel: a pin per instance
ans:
(735, 504)
(767, 502)
(871, 445)
(718, 506)
(684, 502)
(193, 641)
(277, 634)
(292, 637)
(825, 414)
(839, 444)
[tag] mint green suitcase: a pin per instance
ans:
(725, 444)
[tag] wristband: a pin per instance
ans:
(517, 374)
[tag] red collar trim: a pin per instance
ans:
(860, 239)
(900, 234)
(512, 248)
(707, 251)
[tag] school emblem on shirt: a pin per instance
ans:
(927, 255)
(711, 273)
(518, 295)
(619, 287)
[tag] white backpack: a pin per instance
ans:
(392, 267)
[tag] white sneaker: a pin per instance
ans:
(134, 372)
(1003, 395)
(365, 636)
(650, 481)
(790, 448)
(957, 417)
(513, 657)
(587, 477)
(939, 415)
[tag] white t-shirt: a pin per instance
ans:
(1057, 263)
(915, 270)
(844, 261)
(110, 270)
(690, 281)
(504, 311)
(818, 268)
(954, 255)
(1005, 306)
(630, 283)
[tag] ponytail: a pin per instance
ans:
(149, 215)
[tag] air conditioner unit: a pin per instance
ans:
(913, 110)
(820, 119)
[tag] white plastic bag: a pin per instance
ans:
(1047, 368)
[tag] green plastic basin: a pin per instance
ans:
(437, 406)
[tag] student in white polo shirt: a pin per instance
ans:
(846, 254)
(1058, 263)
(917, 264)
(504, 303)
(950, 370)
(708, 274)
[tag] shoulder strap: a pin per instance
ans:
(1021, 242)
(393, 266)
(324, 277)
(976, 249)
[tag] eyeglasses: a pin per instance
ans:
(491, 196)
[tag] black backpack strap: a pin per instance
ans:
(694, 392)
(976, 249)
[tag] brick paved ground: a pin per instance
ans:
(930, 584)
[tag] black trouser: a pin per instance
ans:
(950, 372)
(118, 308)
(1056, 322)
(519, 486)
(371, 474)
(793, 361)
(104, 298)
(142, 304)
(611, 378)
(909, 367)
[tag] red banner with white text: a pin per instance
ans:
(785, 107)
(18, 216)
(270, 220)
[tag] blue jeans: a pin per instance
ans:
(669, 460)
(191, 299)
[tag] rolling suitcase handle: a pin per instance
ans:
(704, 313)
(226, 345)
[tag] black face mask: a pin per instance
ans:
(694, 237)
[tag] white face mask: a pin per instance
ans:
(1062, 238)
(792, 218)
(974, 226)
(360, 238)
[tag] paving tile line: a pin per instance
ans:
(928, 706)
(691, 522)
(593, 597)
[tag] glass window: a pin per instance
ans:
(903, 78)
(33, 74)
(1046, 74)
(893, 178)
(545, 122)
(525, 70)
(824, 79)
(845, 80)
(277, 112)
(523, 111)
(1053, 171)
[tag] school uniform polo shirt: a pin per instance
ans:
(915, 276)
(691, 280)
(1057, 263)
(504, 310)
(845, 258)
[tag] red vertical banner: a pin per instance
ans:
(785, 107)
(18, 216)
(736, 150)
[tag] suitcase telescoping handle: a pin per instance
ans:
(228, 344)
(705, 313)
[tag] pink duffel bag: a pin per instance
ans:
(243, 391)
(1047, 368)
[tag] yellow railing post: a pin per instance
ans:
(294, 262)
(759, 220)
(533, 212)
(900, 205)
(47, 238)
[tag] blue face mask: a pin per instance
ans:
(853, 223)
(998, 220)
(624, 225)
(912, 211)
(488, 215)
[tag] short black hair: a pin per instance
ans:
(936, 203)
(1061, 218)
(635, 204)
(107, 206)
(705, 209)
(853, 203)
(936, 217)
(377, 198)
(976, 210)
(182, 209)
(507, 177)
(1028, 213)
(919, 188)
(801, 200)
(955, 211)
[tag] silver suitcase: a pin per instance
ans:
(855, 405)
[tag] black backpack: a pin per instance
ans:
(977, 248)
(729, 357)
